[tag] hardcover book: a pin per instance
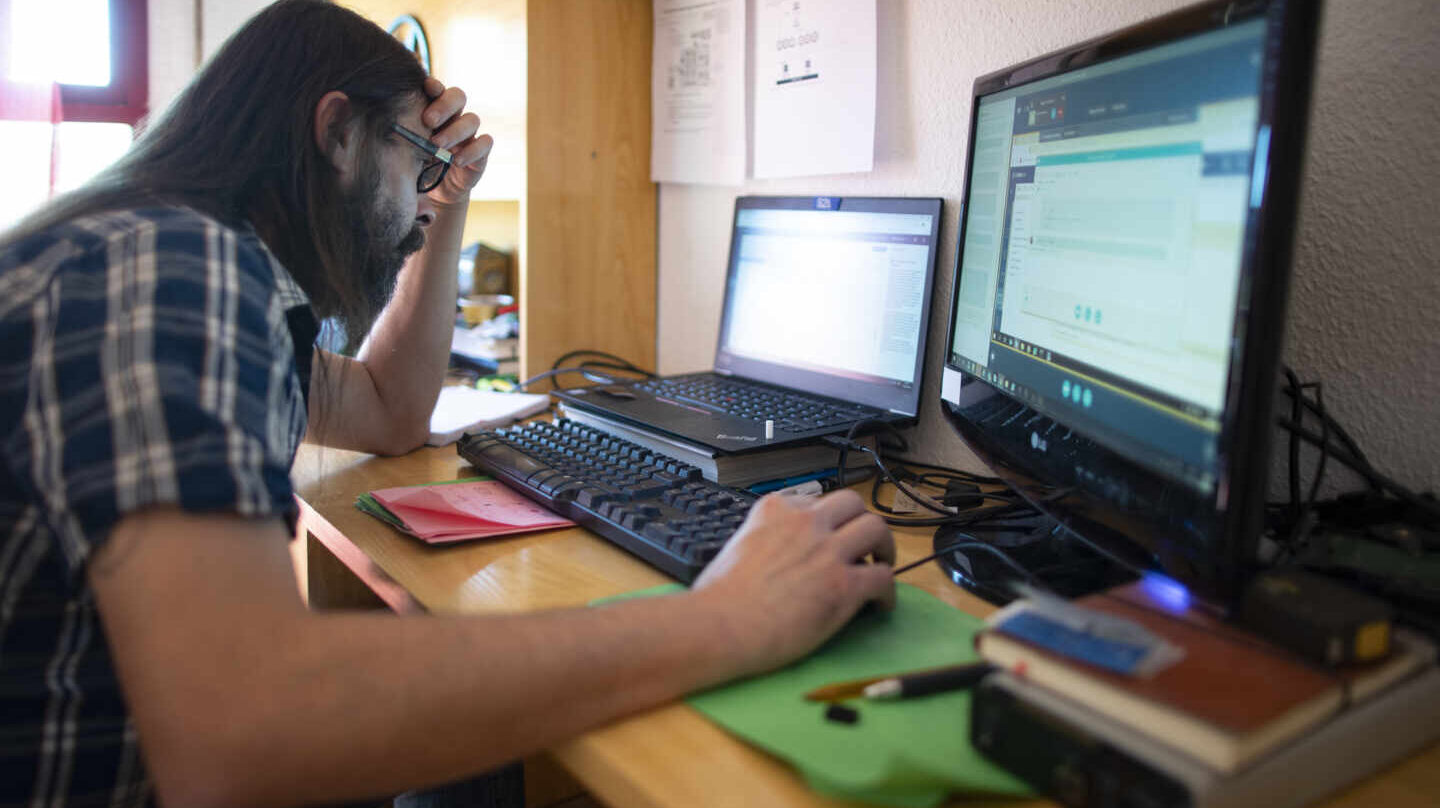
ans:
(1227, 701)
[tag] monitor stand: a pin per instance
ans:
(1061, 561)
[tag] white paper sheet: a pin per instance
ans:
(814, 87)
(463, 409)
(698, 92)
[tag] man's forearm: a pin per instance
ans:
(450, 697)
(408, 349)
(241, 696)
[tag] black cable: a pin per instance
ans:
(1013, 506)
(849, 443)
(1338, 453)
(972, 543)
(1428, 505)
(889, 477)
(1297, 413)
(887, 510)
(587, 369)
(1335, 426)
(1324, 448)
(594, 363)
(945, 516)
(958, 473)
(552, 373)
(624, 364)
(1302, 510)
(602, 354)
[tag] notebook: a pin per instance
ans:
(464, 409)
(826, 307)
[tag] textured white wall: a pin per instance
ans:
(1366, 282)
(172, 49)
(221, 18)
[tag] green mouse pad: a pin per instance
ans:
(909, 753)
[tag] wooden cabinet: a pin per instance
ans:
(589, 274)
(564, 86)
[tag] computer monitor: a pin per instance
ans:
(1121, 276)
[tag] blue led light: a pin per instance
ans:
(1166, 591)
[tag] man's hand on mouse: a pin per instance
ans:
(795, 572)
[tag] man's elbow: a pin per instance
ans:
(402, 439)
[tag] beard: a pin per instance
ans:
(382, 237)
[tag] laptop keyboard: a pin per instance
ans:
(651, 505)
(791, 412)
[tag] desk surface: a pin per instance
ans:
(647, 760)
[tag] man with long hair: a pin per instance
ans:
(157, 334)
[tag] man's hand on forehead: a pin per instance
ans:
(451, 128)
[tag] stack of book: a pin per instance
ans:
(1227, 699)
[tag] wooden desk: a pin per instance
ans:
(669, 757)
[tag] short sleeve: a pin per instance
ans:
(161, 372)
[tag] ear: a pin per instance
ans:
(336, 135)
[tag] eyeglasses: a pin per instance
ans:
(434, 171)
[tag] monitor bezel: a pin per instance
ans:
(1100, 512)
(826, 384)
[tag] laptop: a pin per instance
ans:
(827, 304)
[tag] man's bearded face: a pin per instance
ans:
(384, 236)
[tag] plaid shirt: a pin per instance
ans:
(146, 357)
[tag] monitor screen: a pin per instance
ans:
(831, 295)
(1112, 260)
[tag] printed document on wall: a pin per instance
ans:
(814, 87)
(698, 92)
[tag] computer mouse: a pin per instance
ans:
(616, 391)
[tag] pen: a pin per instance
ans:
(931, 680)
(926, 682)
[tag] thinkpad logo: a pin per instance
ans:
(723, 436)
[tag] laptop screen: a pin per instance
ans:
(831, 295)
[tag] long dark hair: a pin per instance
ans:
(238, 143)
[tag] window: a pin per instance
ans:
(73, 85)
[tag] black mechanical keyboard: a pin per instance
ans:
(650, 505)
(791, 412)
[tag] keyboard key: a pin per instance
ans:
(549, 486)
(704, 552)
(595, 496)
(661, 534)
